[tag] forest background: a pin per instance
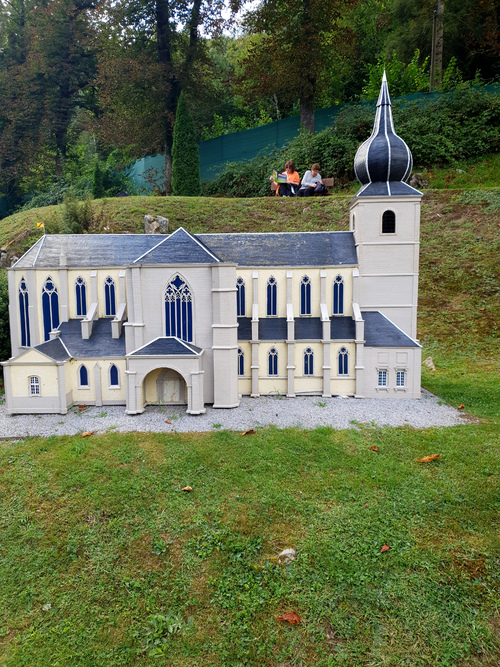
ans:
(88, 86)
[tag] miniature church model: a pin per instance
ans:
(203, 319)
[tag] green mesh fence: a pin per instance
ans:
(148, 173)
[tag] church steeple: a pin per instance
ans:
(383, 162)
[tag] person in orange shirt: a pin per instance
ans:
(290, 188)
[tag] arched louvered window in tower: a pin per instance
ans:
(24, 314)
(83, 376)
(272, 296)
(114, 379)
(338, 296)
(179, 310)
(343, 358)
(81, 296)
(388, 222)
(241, 362)
(240, 297)
(109, 296)
(273, 361)
(50, 307)
(308, 361)
(305, 296)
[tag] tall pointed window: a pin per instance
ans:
(338, 296)
(50, 307)
(83, 376)
(24, 314)
(272, 358)
(272, 296)
(343, 358)
(179, 310)
(305, 296)
(241, 362)
(109, 296)
(388, 222)
(308, 361)
(114, 380)
(81, 296)
(240, 297)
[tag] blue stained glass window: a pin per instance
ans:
(343, 361)
(241, 362)
(84, 377)
(113, 376)
(308, 361)
(179, 310)
(272, 296)
(109, 296)
(338, 296)
(50, 307)
(81, 296)
(273, 361)
(240, 297)
(305, 296)
(24, 314)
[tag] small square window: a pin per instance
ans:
(382, 378)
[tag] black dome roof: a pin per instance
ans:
(384, 158)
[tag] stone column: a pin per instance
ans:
(98, 385)
(225, 336)
(255, 335)
(131, 407)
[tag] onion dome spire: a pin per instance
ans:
(383, 162)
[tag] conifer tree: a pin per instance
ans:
(185, 158)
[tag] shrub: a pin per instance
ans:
(185, 157)
(76, 215)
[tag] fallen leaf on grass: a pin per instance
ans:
(428, 459)
(292, 617)
(375, 448)
(461, 407)
(249, 432)
(167, 421)
(186, 488)
(386, 547)
(84, 435)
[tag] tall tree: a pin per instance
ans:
(185, 157)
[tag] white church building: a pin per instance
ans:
(132, 320)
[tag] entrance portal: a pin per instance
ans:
(171, 388)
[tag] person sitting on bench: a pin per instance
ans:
(312, 183)
(290, 188)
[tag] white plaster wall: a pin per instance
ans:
(47, 372)
(392, 359)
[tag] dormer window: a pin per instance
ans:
(388, 222)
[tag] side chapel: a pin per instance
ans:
(204, 319)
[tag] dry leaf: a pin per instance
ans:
(461, 407)
(186, 488)
(82, 407)
(386, 547)
(167, 421)
(481, 309)
(249, 432)
(428, 459)
(292, 617)
(84, 435)
(375, 448)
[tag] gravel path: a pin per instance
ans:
(303, 412)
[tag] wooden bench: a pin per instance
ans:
(327, 181)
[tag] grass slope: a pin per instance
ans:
(105, 561)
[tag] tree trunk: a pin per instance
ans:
(307, 105)
(439, 43)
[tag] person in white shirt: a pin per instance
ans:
(311, 183)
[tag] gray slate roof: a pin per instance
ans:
(381, 332)
(99, 345)
(181, 247)
(53, 349)
(167, 346)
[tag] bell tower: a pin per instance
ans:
(385, 220)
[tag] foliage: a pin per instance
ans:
(5, 348)
(185, 158)
(76, 216)
(98, 183)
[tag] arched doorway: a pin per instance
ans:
(170, 388)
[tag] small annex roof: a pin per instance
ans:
(99, 345)
(381, 332)
(54, 349)
(284, 249)
(167, 346)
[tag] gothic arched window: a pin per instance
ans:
(81, 296)
(338, 296)
(109, 296)
(24, 314)
(179, 310)
(388, 222)
(83, 376)
(50, 307)
(240, 297)
(114, 380)
(272, 357)
(308, 361)
(272, 296)
(343, 361)
(241, 362)
(305, 296)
